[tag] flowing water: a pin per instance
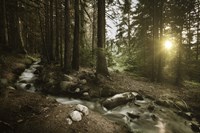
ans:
(135, 115)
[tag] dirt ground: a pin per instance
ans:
(188, 92)
(24, 112)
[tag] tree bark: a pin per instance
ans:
(57, 31)
(198, 19)
(3, 24)
(67, 52)
(75, 59)
(159, 73)
(154, 44)
(94, 27)
(47, 35)
(179, 60)
(51, 44)
(101, 67)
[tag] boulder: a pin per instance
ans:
(68, 78)
(186, 115)
(139, 97)
(76, 115)
(195, 127)
(65, 85)
(165, 103)
(181, 105)
(83, 81)
(83, 109)
(36, 72)
(151, 108)
(23, 86)
(133, 115)
(119, 99)
(154, 117)
(28, 86)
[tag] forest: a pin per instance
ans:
(105, 66)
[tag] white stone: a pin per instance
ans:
(68, 78)
(82, 109)
(21, 85)
(76, 115)
(11, 88)
(85, 94)
(69, 121)
(77, 90)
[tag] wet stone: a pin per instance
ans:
(195, 127)
(118, 99)
(186, 115)
(133, 116)
(154, 117)
(11, 88)
(28, 86)
(139, 97)
(151, 108)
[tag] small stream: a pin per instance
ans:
(137, 115)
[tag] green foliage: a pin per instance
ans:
(192, 70)
(87, 58)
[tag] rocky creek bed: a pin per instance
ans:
(135, 112)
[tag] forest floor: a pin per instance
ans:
(27, 112)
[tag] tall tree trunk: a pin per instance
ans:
(44, 50)
(94, 27)
(47, 35)
(154, 45)
(179, 60)
(67, 52)
(51, 44)
(15, 41)
(82, 23)
(198, 29)
(101, 67)
(57, 31)
(75, 59)
(159, 73)
(129, 30)
(3, 24)
(61, 40)
(189, 36)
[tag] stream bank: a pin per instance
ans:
(137, 112)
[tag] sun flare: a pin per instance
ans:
(168, 45)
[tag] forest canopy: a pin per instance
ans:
(156, 39)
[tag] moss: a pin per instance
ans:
(191, 84)
(13, 65)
